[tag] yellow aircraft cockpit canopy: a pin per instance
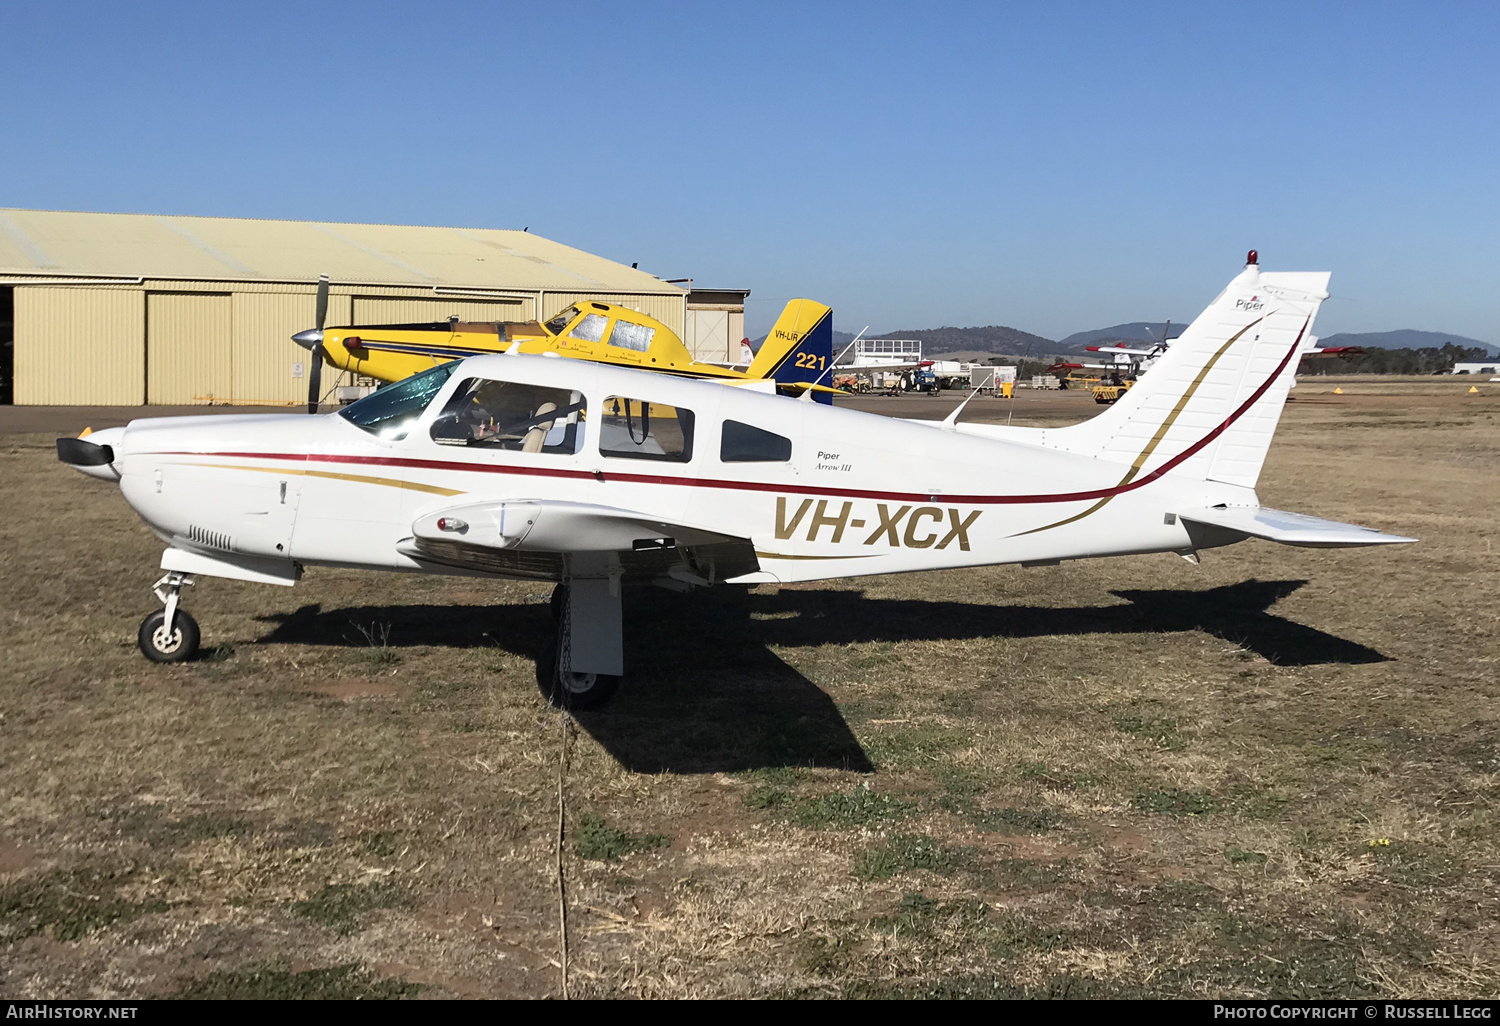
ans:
(603, 331)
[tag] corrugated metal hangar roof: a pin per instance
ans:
(64, 243)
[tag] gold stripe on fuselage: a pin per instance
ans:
(386, 482)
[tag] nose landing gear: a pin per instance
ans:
(169, 635)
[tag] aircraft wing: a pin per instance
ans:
(540, 538)
(1122, 349)
(847, 368)
(1290, 528)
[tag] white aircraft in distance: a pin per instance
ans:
(597, 477)
(1137, 361)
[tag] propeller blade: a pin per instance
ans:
(315, 378)
(313, 341)
(322, 300)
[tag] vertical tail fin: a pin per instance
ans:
(799, 347)
(1210, 405)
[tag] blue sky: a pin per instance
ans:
(1049, 166)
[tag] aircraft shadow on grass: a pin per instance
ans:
(704, 692)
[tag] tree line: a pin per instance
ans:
(1430, 360)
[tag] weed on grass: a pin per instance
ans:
(1012, 820)
(1035, 874)
(70, 904)
(860, 807)
(380, 843)
(1158, 730)
(1414, 864)
(340, 907)
(377, 639)
(914, 746)
(1242, 855)
(597, 841)
(1175, 802)
(905, 853)
(350, 982)
(968, 924)
(919, 917)
(829, 957)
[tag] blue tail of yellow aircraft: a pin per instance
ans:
(799, 347)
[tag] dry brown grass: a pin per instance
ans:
(1271, 774)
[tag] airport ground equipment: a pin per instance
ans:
(599, 478)
(921, 379)
(1106, 392)
(998, 380)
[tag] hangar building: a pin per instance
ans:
(131, 309)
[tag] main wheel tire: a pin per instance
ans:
(559, 596)
(581, 691)
(159, 647)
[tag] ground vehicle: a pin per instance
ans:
(1111, 389)
(921, 379)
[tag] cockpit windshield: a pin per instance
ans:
(391, 411)
(562, 320)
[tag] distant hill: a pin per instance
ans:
(994, 340)
(1406, 338)
(1135, 331)
(999, 340)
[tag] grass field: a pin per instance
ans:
(1271, 774)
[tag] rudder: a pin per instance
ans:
(799, 347)
(1209, 407)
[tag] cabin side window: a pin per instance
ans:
(590, 329)
(514, 416)
(631, 336)
(391, 411)
(743, 443)
(562, 320)
(636, 429)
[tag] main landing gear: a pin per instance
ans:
(572, 671)
(169, 635)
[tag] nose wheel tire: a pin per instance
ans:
(160, 646)
(578, 691)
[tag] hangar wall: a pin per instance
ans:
(130, 309)
(80, 346)
(184, 343)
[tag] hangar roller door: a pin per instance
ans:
(707, 335)
(188, 337)
(391, 310)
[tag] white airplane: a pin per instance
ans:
(598, 477)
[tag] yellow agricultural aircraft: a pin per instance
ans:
(796, 355)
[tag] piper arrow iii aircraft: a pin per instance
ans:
(598, 478)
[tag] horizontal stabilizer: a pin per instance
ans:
(1290, 528)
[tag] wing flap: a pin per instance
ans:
(535, 538)
(1290, 528)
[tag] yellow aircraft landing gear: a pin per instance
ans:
(169, 635)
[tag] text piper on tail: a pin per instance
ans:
(599, 477)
